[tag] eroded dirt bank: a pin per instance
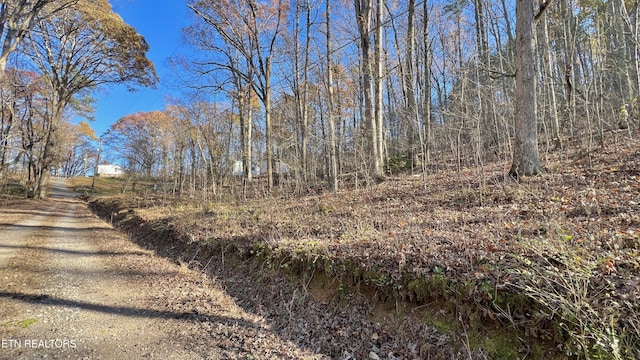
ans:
(342, 317)
(474, 265)
(73, 287)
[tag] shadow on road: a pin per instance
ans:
(75, 252)
(193, 315)
(51, 228)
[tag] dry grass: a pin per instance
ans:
(568, 240)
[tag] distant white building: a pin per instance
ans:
(109, 170)
(238, 169)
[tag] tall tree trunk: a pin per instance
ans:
(363, 10)
(506, 17)
(305, 91)
(378, 106)
(635, 33)
(623, 56)
(526, 160)
(246, 126)
(569, 38)
(301, 85)
(333, 167)
(550, 83)
(49, 151)
(426, 92)
(410, 98)
(267, 122)
(248, 147)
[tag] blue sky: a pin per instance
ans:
(160, 22)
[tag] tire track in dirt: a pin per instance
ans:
(72, 287)
(14, 235)
(65, 300)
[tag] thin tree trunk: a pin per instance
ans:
(551, 84)
(378, 105)
(426, 93)
(412, 110)
(333, 168)
(305, 92)
(267, 122)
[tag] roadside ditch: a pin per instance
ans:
(347, 311)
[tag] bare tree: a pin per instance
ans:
(364, 13)
(252, 30)
(301, 80)
(333, 164)
(378, 108)
(526, 160)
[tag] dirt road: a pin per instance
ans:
(71, 287)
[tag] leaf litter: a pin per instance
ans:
(318, 267)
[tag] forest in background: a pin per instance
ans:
(308, 97)
(438, 93)
(415, 105)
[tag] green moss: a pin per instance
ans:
(419, 289)
(258, 249)
(345, 270)
(500, 345)
(486, 288)
(24, 323)
(441, 324)
(515, 302)
(370, 275)
(424, 288)
(325, 209)
(438, 284)
(27, 322)
(343, 289)
(399, 162)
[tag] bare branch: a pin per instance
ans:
(542, 8)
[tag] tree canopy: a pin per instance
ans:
(73, 50)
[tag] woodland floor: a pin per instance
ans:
(467, 264)
(455, 265)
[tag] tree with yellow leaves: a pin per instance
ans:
(76, 50)
(17, 18)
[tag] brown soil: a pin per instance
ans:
(467, 264)
(456, 267)
(73, 287)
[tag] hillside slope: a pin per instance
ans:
(450, 265)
